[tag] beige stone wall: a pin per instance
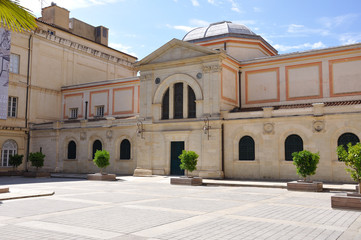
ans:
(328, 75)
(56, 60)
(120, 98)
(269, 135)
(54, 144)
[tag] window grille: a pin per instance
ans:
(99, 111)
(73, 113)
(14, 63)
(72, 150)
(246, 148)
(125, 149)
(293, 144)
(12, 106)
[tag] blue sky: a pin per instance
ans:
(139, 27)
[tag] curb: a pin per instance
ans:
(26, 196)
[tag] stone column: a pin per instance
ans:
(185, 100)
(171, 101)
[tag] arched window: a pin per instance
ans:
(346, 138)
(191, 103)
(293, 144)
(178, 100)
(97, 145)
(246, 148)
(9, 148)
(125, 149)
(165, 105)
(71, 150)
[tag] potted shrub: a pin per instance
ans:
(306, 165)
(189, 161)
(37, 160)
(16, 160)
(351, 156)
(101, 160)
(352, 160)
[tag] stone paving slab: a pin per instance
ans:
(151, 208)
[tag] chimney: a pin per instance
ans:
(101, 35)
(56, 15)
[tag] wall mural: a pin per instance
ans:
(5, 41)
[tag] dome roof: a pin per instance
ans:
(216, 29)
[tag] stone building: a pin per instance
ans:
(222, 91)
(60, 52)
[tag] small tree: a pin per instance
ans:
(101, 159)
(37, 159)
(15, 160)
(352, 159)
(306, 163)
(189, 161)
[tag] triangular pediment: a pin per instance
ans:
(176, 50)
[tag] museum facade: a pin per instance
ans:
(223, 92)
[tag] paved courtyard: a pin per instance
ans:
(151, 208)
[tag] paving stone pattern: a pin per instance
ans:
(150, 208)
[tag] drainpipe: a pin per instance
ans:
(222, 154)
(239, 90)
(27, 104)
(86, 110)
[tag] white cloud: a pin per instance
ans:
(122, 48)
(198, 23)
(195, 3)
(194, 23)
(180, 27)
(245, 22)
(301, 29)
(350, 38)
(257, 9)
(234, 6)
(284, 48)
(331, 22)
(212, 2)
(35, 5)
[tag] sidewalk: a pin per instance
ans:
(16, 194)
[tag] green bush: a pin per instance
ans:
(306, 162)
(15, 160)
(101, 159)
(189, 160)
(352, 160)
(36, 159)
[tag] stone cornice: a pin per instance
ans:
(74, 45)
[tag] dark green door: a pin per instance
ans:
(176, 150)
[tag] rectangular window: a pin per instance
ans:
(104, 33)
(99, 111)
(14, 63)
(12, 106)
(73, 113)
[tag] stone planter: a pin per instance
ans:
(37, 174)
(191, 181)
(102, 177)
(305, 186)
(346, 201)
(4, 189)
(12, 173)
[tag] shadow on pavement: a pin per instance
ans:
(24, 180)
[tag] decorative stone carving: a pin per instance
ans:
(109, 134)
(268, 128)
(83, 136)
(318, 125)
(212, 68)
(145, 77)
(42, 33)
